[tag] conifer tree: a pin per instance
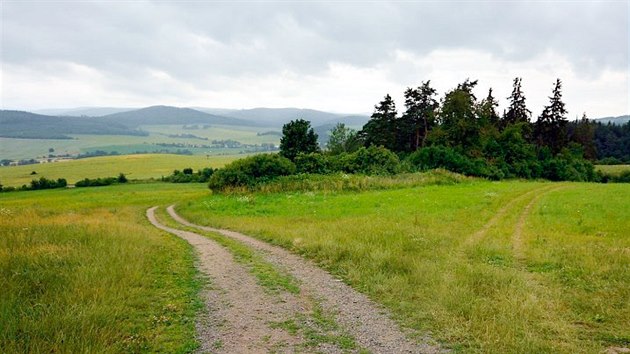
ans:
(517, 112)
(381, 129)
(459, 119)
(419, 116)
(551, 127)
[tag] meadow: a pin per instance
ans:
(142, 166)
(81, 270)
(509, 267)
(614, 170)
(15, 149)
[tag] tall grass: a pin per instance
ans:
(350, 182)
(413, 250)
(82, 271)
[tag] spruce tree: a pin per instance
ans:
(551, 127)
(517, 112)
(381, 129)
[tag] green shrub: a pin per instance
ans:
(187, 176)
(44, 183)
(251, 170)
(374, 160)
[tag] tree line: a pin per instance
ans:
(466, 134)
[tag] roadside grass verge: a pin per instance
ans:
(82, 271)
(409, 249)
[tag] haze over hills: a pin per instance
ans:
(155, 115)
(18, 124)
(82, 111)
(614, 120)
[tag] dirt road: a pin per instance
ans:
(243, 318)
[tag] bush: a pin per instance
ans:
(44, 183)
(250, 171)
(98, 182)
(187, 176)
(369, 161)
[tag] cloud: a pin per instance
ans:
(186, 52)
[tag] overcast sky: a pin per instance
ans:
(334, 56)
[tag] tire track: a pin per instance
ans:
(240, 311)
(517, 236)
(500, 215)
(367, 322)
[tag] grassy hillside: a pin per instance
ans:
(509, 267)
(82, 271)
(133, 166)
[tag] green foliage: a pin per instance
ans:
(188, 176)
(298, 137)
(381, 129)
(374, 160)
(44, 183)
(250, 171)
(97, 182)
(342, 139)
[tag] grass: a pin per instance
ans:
(142, 166)
(614, 170)
(81, 270)
(560, 284)
(15, 149)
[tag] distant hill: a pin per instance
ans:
(614, 120)
(280, 116)
(171, 115)
(19, 124)
(83, 111)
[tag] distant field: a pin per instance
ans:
(36, 148)
(489, 267)
(613, 169)
(141, 166)
(82, 271)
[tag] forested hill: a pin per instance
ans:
(19, 124)
(614, 120)
(280, 116)
(171, 115)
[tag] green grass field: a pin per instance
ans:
(141, 166)
(15, 149)
(497, 267)
(509, 267)
(82, 271)
(613, 169)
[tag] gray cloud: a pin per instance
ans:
(205, 43)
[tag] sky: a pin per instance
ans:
(328, 55)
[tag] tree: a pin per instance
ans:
(381, 129)
(551, 127)
(458, 118)
(419, 117)
(342, 139)
(517, 111)
(583, 133)
(298, 137)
